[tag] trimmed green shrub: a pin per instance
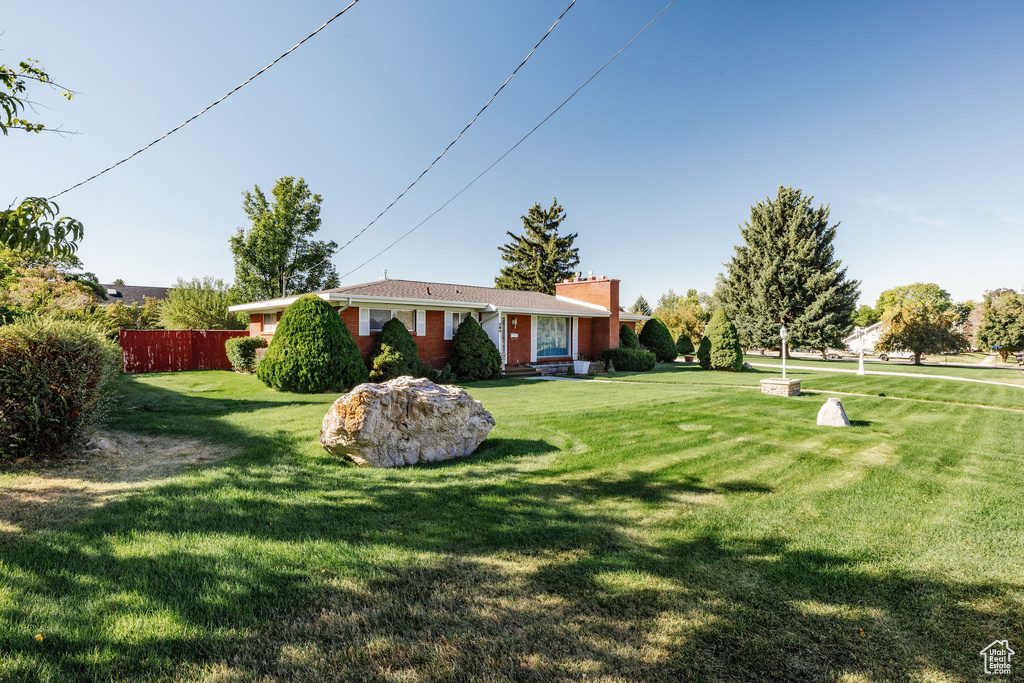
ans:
(443, 376)
(474, 355)
(395, 354)
(656, 337)
(628, 360)
(684, 345)
(628, 338)
(242, 352)
(54, 377)
(725, 353)
(312, 351)
(704, 353)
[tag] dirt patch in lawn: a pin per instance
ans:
(55, 493)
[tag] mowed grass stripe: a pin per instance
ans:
(626, 531)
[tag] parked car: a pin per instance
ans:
(905, 355)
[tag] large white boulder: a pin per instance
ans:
(832, 414)
(403, 422)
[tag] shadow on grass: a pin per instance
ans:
(428, 574)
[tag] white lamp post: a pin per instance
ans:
(784, 333)
(860, 364)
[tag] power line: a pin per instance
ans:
(229, 94)
(452, 143)
(513, 147)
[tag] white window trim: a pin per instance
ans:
(449, 331)
(269, 328)
(533, 339)
(364, 321)
(574, 350)
(421, 322)
(415, 318)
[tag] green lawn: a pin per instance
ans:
(673, 525)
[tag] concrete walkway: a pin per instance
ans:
(919, 375)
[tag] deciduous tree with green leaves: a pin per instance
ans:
(35, 223)
(199, 304)
(785, 272)
(1002, 322)
(539, 258)
(277, 256)
(920, 318)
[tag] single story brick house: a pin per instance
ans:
(529, 328)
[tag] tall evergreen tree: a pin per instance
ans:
(786, 272)
(640, 306)
(538, 258)
(276, 256)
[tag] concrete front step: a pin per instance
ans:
(521, 371)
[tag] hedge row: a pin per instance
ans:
(628, 360)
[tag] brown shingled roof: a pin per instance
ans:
(509, 299)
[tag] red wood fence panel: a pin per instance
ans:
(175, 350)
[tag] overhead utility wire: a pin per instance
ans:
(452, 143)
(511, 149)
(193, 118)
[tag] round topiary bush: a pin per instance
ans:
(395, 353)
(725, 352)
(628, 338)
(241, 352)
(704, 353)
(474, 355)
(312, 351)
(656, 337)
(684, 345)
(54, 377)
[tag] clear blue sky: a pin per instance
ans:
(904, 117)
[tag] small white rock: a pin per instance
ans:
(832, 414)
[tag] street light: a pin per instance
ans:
(860, 364)
(784, 333)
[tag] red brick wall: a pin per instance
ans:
(585, 337)
(519, 348)
(433, 347)
(604, 333)
(631, 324)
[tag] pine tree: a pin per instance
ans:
(628, 338)
(539, 258)
(786, 273)
(640, 306)
(395, 354)
(656, 337)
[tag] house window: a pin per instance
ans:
(269, 322)
(379, 316)
(553, 337)
(458, 318)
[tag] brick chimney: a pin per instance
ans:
(603, 292)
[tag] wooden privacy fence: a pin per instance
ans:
(175, 350)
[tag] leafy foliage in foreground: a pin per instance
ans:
(54, 379)
(312, 351)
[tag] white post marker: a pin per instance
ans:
(784, 334)
(860, 364)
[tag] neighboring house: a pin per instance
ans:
(864, 336)
(583, 318)
(130, 294)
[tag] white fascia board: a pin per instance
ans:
(599, 313)
(633, 316)
(577, 302)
